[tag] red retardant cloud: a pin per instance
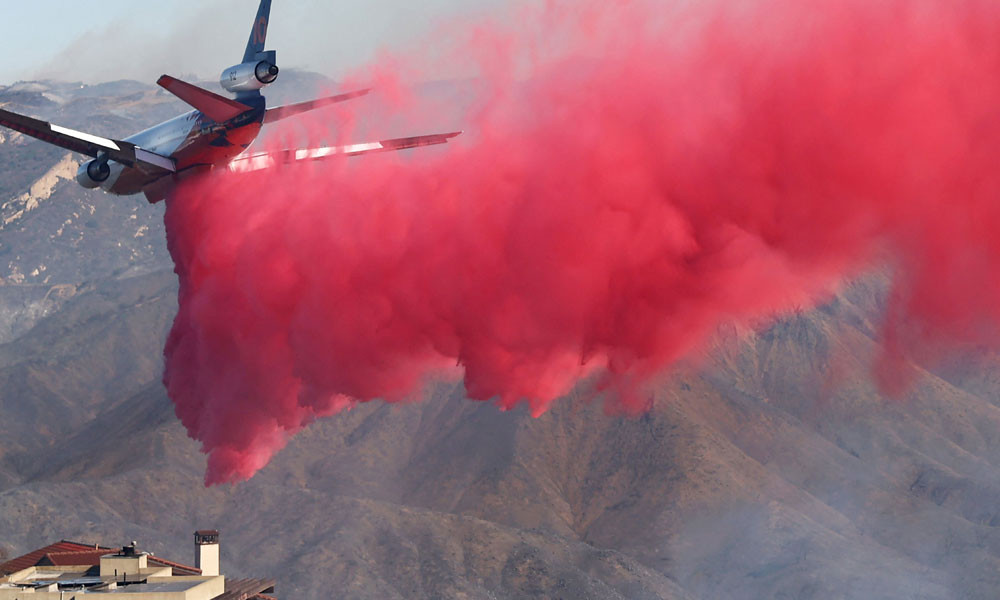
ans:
(640, 174)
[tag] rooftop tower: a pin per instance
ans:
(206, 551)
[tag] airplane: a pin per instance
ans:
(216, 134)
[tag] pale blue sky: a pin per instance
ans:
(115, 39)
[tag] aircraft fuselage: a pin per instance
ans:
(192, 140)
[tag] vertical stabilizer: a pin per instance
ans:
(258, 34)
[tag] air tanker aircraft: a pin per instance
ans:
(216, 134)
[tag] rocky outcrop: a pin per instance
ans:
(40, 191)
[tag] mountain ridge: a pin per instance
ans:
(773, 466)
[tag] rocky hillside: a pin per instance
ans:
(773, 469)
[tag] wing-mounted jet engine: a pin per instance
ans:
(93, 173)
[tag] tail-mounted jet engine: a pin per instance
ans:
(92, 174)
(251, 76)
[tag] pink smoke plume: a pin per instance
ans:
(637, 177)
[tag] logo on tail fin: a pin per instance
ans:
(260, 31)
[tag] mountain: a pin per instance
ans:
(772, 468)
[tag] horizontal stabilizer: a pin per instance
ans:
(218, 108)
(265, 160)
(283, 112)
(88, 144)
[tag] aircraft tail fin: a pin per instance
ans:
(218, 108)
(258, 35)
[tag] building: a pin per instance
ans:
(75, 571)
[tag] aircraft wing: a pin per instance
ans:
(85, 143)
(266, 160)
(290, 110)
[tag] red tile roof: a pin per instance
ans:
(65, 553)
(178, 568)
(32, 558)
(89, 557)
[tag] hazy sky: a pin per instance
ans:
(118, 39)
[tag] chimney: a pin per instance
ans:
(206, 551)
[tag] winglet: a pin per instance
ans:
(216, 107)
